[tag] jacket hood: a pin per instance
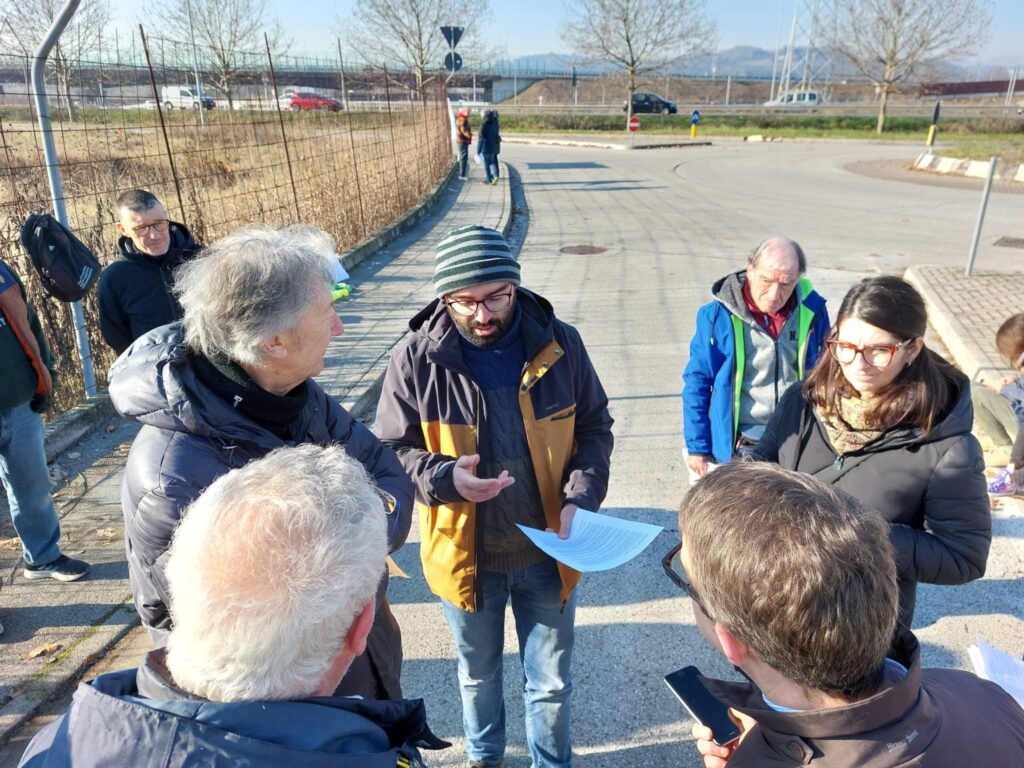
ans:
(111, 723)
(729, 291)
(154, 382)
(888, 705)
(181, 241)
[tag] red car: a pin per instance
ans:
(297, 100)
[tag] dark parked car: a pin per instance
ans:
(297, 100)
(651, 103)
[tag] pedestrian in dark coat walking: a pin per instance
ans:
(888, 421)
(488, 145)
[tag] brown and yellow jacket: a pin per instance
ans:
(429, 413)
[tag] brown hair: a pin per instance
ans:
(801, 573)
(1010, 339)
(923, 391)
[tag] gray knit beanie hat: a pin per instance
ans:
(473, 255)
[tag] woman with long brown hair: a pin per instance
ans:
(888, 421)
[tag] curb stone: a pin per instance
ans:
(975, 169)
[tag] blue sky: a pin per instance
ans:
(534, 26)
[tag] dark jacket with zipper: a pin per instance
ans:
(429, 413)
(931, 488)
(138, 718)
(135, 291)
(932, 718)
(190, 437)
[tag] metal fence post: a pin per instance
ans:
(391, 128)
(53, 174)
(981, 217)
(284, 134)
(163, 125)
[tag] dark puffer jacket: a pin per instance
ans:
(135, 291)
(190, 437)
(930, 488)
(114, 722)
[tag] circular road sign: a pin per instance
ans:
(453, 61)
(695, 117)
(634, 124)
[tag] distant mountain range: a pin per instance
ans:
(742, 61)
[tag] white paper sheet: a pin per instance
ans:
(1000, 667)
(596, 542)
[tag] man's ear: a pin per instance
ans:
(275, 347)
(734, 649)
(120, 228)
(355, 638)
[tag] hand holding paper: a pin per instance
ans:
(596, 542)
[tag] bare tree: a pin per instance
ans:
(407, 33)
(890, 41)
(27, 21)
(639, 36)
(230, 32)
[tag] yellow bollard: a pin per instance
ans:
(693, 131)
(931, 136)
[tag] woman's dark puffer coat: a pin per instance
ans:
(930, 488)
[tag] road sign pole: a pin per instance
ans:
(981, 217)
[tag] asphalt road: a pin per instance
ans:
(661, 226)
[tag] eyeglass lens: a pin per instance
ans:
(468, 307)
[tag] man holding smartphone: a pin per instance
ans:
(806, 608)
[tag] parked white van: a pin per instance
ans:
(183, 97)
(796, 100)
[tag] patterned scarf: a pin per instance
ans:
(848, 430)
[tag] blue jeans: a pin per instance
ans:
(491, 166)
(546, 634)
(27, 482)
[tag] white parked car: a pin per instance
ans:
(183, 97)
(796, 100)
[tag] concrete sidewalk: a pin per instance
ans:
(966, 312)
(54, 631)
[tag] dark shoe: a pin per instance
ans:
(64, 568)
(482, 764)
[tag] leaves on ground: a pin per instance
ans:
(47, 649)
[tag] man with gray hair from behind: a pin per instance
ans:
(230, 383)
(273, 574)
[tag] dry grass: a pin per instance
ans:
(349, 174)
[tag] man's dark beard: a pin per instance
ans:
(467, 324)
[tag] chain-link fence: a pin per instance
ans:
(259, 138)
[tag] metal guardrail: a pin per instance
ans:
(924, 109)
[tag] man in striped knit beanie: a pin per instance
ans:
(498, 416)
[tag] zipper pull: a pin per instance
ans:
(837, 465)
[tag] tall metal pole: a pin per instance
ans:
(341, 63)
(981, 217)
(195, 64)
(53, 173)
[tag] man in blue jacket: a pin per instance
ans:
(274, 572)
(762, 333)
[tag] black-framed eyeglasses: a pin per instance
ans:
(878, 355)
(499, 302)
(679, 576)
(160, 225)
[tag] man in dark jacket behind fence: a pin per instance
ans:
(136, 291)
(255, 654)
(229, 384)
(807, 610)
(498, 415)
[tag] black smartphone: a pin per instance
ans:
(702, 705)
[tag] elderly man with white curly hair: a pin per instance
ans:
(228, 384)
(273, 574)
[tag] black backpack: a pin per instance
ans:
(66, 267)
